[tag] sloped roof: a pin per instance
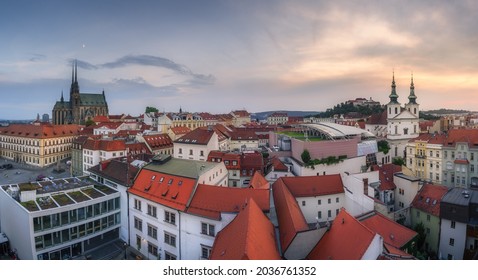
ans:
(105, 145)
(42, 131)
(181, 167)
(428, 199)
(252, 160)
(385, 174)
(241, 113)
(395, 253)
(392, 232)
(347, 239)
(307, 186)
(137, 148)
(259, 182)
(241, 135)
(278, 165)
(116, 170)
(158, 141)
(210, 201)
(62, 105)
(290, 217)
(378, 119)
(92, 99)
(180, 130)
(250, 236)
(165, 189)
(431, 138)
(196, 137)
(469, 136)
(100, 119)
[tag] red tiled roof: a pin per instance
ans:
(99, 119)
(137, 148)
(431, 138)
(158, 141)
(243, 135)
(196, 137)
(469, 136)
(392, 232)
(385, 173)
(252, 161)
(241, 113)
(378, 119)
(226, 158)
(290, 217)
(395, 253)
(209, 201)
(428, 199)
(105, 145)
(250, 236)
(179, 130)
(42, 131)
(259, 182)
(306, 186)
(110, 125)
(155, 187)
(347, 239)
(278, 165)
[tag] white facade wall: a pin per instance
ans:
(356, 202)
(407, 189)
(94, 157)
(375, 249)
(325, 204)
(458, 234)
(350, 165)
(240, 144)
(195, 151)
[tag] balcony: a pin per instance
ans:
(420, 156)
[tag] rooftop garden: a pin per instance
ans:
(78, 196)
(300, 135)
(92, 192)
(30, 205)
(28, 186)
(46, 203)
(62, 199)
(105, 189)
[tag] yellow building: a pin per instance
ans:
(37, 144)
(424, 157)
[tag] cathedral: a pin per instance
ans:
(402, 122)
(81, 107)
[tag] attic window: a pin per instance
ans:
(152, 178)
(161, 180)
(434, 201)
(428, 200)
(170, 181)
(194, 141)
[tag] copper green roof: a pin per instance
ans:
(92, 99)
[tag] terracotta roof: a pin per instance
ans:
(259, 182)
(306, 186)
(227, 158)
(395, 253)
(158, 141)
(115, 170)
(431, 138)
(428, 199)
(105, 145)
(469, 136)
(208, 116)
(196, 137)
(278, 114)
(290, 217)
(378, 119)
(241, 113)
(385, 174)
(252, 161)
(392, 232)
(80, 140)
(137, 148)
(210, 201)
(165, 189)
(109, 125)
(347, 239)
(278, 165)
(243, 135)
(44, 131)
(180, 130)
(250, 236)
(99, 119)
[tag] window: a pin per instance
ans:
(428, 230)
(190, 152)
(201, 153)
(319, 215)
(169, 239)
(336, 212)
(208, 229)
(205, 251)
(138, 224)
(152, 231)
(170, 217)
(169, 256)
(418, 214)
(453, 224)
(428, 217)
(137, 204)
(303, 202)
(329, 200)
(336, 200)
(472, 168)
(452, 242)
(319, 202)
(152, 210)
(329, 213)
(152, 249)
(180, 151)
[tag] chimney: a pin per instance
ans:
(365, 186)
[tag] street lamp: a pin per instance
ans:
(125, 247)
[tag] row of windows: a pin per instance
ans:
(169, 217)
(201, 152)
(68, 217)
(66, 235)
(319, 202)
(329, 213)
(153, 250)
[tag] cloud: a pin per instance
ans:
(37, 57)
(149, 60)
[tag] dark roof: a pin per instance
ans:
(92, 99)
(115, 170)
(378, 119)
(459, 196)
(196, 137)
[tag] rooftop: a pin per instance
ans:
(428, 199)
(307, 186)
(333, 130)
(180, 167)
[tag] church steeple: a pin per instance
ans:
(412, 98)
(62, 99)
(393, 95)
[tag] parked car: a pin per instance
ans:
(7, 166)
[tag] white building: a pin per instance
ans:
(95, 151)
(60, 219)
(197, 144)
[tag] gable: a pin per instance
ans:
(405, 114)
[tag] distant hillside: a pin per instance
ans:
(263, 115)
(446, 112)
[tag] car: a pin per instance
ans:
(40, 177)
(7, 166)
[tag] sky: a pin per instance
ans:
(219, 56)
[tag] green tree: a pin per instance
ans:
(89, 122)
(420, 229)
(305, 156)
(398, 161)
(383, 146)
(151, 109)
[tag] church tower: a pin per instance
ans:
(412, 105)
(75, 96)
(393, 107)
